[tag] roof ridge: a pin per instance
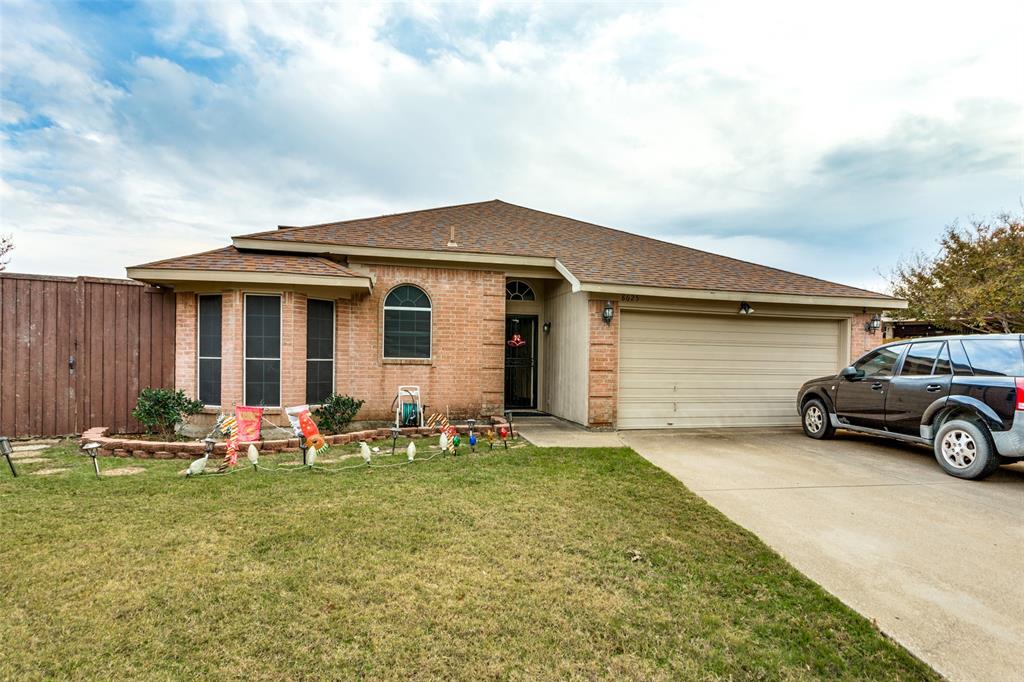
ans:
(331, 223)
(187, 255)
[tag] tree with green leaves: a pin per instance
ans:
(974, 283)
(6, 246)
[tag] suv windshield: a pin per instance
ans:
(995, 357)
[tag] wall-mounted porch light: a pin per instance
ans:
(874, 324)
(547, 327)
(608, 313)
(745, 309)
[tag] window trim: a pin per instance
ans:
(334, 343)
(385, 308)
(245, 346)
(199, 356)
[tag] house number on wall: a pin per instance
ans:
(629, 298)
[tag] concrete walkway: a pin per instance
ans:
(936, 562)
(551, 432)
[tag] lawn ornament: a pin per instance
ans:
(364, 450)
(6, 450)
(307, 432)
(408, 407)
(490, 438)
(472, 441)
(254, 456)
(227, 426)
(92, 449)
(442, 441)
(504, 435)
(199, 466)
(456, 440)
(394, 438)
(410, 452)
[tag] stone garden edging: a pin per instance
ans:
(147, 449)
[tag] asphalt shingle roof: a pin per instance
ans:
(230, 259)
(591, 252)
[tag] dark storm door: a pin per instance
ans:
(521, 362)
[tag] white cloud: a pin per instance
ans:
(772, 133)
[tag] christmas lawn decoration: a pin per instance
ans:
(307, 432)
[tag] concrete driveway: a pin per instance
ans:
(936, 562)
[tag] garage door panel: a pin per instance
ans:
(680, 370)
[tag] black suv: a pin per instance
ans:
(962, 395)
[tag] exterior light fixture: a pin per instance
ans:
(547, 327)
(874, 324)
(394, 438)
(6, 450)
(745, 309)
(608, 313)
(199, 466)
(92, 449)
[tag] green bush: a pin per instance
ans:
(161, 409)
(337, 412)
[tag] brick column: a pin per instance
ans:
(293, 349)
(231, 350)
(185, 350)
(862, 341)
(603, 375)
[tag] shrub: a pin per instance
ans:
(161, 409)
(337, 412)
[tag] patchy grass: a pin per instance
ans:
(525, 563)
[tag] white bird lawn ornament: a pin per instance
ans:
(253, 454)
(197, 466)
(411, 451)
(364, 450)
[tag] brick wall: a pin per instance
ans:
(862, 341)
(603, 371)
(466, 372)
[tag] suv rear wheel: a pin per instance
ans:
(814, 418)
(964, 449)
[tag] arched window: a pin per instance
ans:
(518, 290)
(407, 323)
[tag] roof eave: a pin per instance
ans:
(866, 301)
(169, 276)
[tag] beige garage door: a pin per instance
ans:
(718, 370)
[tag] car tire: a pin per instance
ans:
(964, 449)
(815, 420)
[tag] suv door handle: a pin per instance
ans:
(932, 388)
(877, 386)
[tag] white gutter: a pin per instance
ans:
(748, 296)
(162, 275)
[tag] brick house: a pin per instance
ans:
(492, 306)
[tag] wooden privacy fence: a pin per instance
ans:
(76, 351)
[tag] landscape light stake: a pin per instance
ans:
(394, 439)
(92, 449)
(472, 436)
(508, 418)
(6, 450)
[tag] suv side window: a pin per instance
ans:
(995, 357)
(961, 365)
(921, 358)
(942, 364)
(879, 363)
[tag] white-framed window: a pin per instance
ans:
(263, 350)
(319, 350)
(407, 323)
(518, 290)
(208, 335)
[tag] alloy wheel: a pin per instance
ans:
(814, 420)
(959, 449)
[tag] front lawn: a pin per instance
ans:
(527, 563)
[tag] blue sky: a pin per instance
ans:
(823, 138)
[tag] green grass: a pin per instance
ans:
(527, 563)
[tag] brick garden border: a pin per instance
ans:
(148, 449)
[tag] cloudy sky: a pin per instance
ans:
(826, 138)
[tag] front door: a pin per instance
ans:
(860, 400)
(520, 362)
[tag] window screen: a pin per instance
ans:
(921, 358)
(407, 323)
(995, 357)
(209, 349)
(263, 351)
(319, 350)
